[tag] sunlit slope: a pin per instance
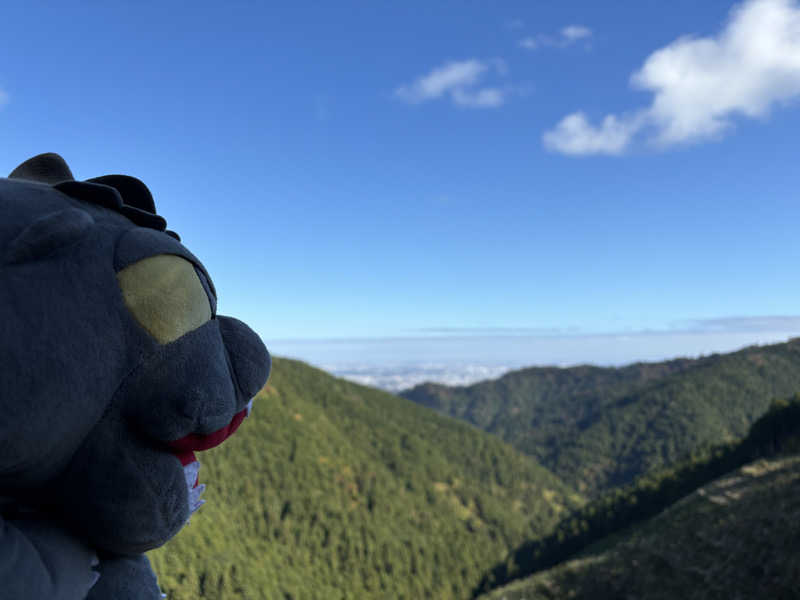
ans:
(335, 490)
(598, 428)
(735, 538)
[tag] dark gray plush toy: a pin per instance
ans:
(114, 369)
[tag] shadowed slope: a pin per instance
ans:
(736, 538)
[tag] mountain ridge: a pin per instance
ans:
(600, 427)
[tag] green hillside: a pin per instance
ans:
(600, 428)
(334, 490)
(737, 538)
(774, 433)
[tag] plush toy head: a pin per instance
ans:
(114, 366)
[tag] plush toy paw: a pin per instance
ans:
(125, 578)
(42, 560)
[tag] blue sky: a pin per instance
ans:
(435, 170)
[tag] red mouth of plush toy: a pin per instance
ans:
(185, 447)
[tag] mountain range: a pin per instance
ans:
(598, 428)
(331, 489)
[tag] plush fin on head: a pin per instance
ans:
(47, 168)
(133, 191)
(137, 201)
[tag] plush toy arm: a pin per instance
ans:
(38, 559)
(125, 578)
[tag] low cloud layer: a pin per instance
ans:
(566, 37)
(460, 81)
(700, 84)
(458, 356)
(462, 331)
(784, 324)
(788, 323)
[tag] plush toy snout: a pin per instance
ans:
(190, 395)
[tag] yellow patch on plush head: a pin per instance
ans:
(164, 294)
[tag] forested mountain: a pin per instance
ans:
(600, 428)
(736, 538)
(604, 521)
(334, 490)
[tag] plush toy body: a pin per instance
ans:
(114, 369)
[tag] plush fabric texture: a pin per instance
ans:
(114, 369)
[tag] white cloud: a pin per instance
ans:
(567, 36)
(437, 82)
(531, 43)
(515, 24)
(459, 79)
(3, 98)
(575, 135)
(575, 32)
(699, 84)
(483, 98)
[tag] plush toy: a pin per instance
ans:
(114, 370)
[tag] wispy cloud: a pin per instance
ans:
(734, 324)
(460, 80)
(699, 84)
(575, 32)
(575, 135)
(514, 24)
(483, 98)
(3, 98)
(787, 323)
(566, 37)
(543, 331)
